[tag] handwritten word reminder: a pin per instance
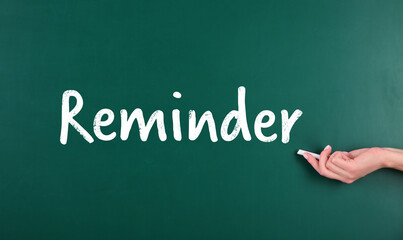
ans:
(158, 118)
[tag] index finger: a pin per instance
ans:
(312, 160)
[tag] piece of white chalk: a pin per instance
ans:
(301, 152)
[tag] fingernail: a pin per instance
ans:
(327, 147)
(306, 156)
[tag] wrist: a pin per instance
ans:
(383, 156)
(392, 158)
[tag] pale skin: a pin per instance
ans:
(347, 167)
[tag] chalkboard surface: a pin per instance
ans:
(339, 62)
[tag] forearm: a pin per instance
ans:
(393, 158)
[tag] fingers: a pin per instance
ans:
(340, 159)
(324, 155)
(339, 163)
(323, 170)
(321, 166)
(314, 163)
(336, 169)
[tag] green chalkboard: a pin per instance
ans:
(339, 62)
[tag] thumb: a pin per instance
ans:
(326, 151)
(324, 156)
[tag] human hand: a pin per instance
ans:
(347, 166)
